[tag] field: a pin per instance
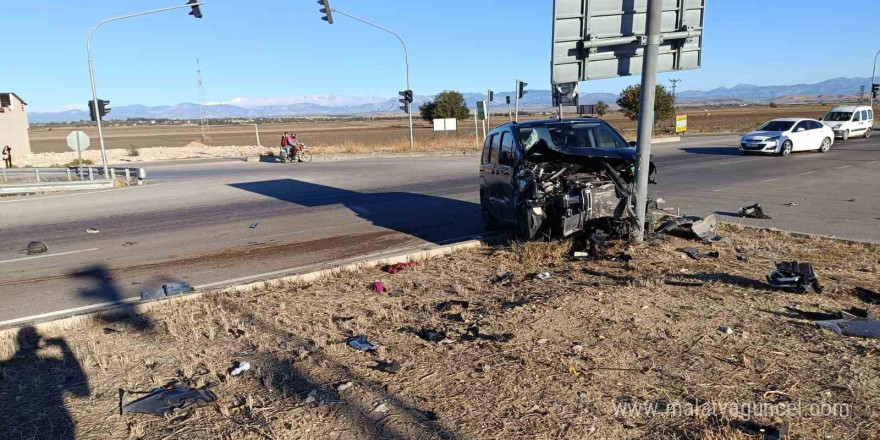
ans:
(587, 353)
(379, 134)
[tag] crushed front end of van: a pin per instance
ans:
(565, 191)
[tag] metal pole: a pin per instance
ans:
(92, 71)
(412, 141)
(509, 112)
(488, 112)
(516, 113)
(257, 129)
(873, 81)
(476, 129)
(646, 114)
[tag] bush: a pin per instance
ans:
(133, 151)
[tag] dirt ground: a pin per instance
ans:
(379, 133)
(553, 359)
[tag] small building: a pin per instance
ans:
(14, 125)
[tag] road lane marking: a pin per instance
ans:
(47, 256)
(843, 167)
(31, 199)
(722, 189)
(769, 180)
(807, 173)
(68, 312)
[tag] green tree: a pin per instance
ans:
(664, 102)
(601, 108)
(447, 104)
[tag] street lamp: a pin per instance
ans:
(196, 12)
(328, 11)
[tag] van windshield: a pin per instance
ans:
(562, 136)
(838, 116)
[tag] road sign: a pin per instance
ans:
(565, 95)
(595, 39)
(481, 109)
(78, 141)
(589, 109)
(446, 124)
(681, 124)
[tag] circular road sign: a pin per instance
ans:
(78, 141)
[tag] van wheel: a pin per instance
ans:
(786, 149)
(868, 133)
(826, 145)
(846, 135)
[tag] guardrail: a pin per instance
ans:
(72, 174)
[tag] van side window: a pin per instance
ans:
(487, 146)
(506, 156)
(864, 115)
(871, 115)
(857, 117)
(493, 150)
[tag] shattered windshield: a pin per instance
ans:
(563, 136)
(838, 116)
(776, 126)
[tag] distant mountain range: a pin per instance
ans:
(338, 105)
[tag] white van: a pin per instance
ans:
(850, 121)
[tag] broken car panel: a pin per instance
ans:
(557, 177)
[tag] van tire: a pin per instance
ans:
(846, 135)
(868, 133)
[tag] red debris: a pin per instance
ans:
(378, 287)
(399, 267)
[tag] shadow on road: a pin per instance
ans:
(430, 218)
(717, 151)
(105, 290)
(33, 385)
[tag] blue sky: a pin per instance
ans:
(280, 48)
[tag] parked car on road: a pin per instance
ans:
(850, 121)
(784, 136)
(558, 178)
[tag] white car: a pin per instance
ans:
(850, 121)
(783, 136)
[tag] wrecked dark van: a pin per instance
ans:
(558, 178)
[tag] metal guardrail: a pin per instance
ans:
(73, 174)
(30, 188)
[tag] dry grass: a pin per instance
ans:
(580, 343)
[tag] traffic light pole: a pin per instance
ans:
(873, 80)
(92, 72)
(412, 141)
(646, 114)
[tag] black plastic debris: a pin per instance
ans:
(795, 277)
(702, 228)
(360, 342)
(446, 306)
(148, 295)
(254, 225)
(110, 330)
(473, 333)
(691, 252)
(236, 332)
(502, 278)
(36, 247)
(753, 211)
(166, 400)
(868, 296)
(176, 288)
(769, 432)
(391, 367)
(454, 317)
(852, 326)
(431, 335)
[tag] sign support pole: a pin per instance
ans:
(646, 114)
(516, 112)
(488, 112)
(476, 129)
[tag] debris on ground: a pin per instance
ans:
(240, 367)
(129, 243)
(391, 367)
(691, 226)
(344, 386)
(542, 276)
(176, 288)
(378, 287)
(473, 333)
(431, 335)
(381, 408)
(795, 277)
(753, 211)
(254, 225)
(742, 254)
(320, 397)
(236, 332)
(166, 400)
(502, 278)
(868, 296)
(398, 267)
(446, 306)
(92, 231)
(695, 254)
(852, 325)
(615, 277)
(148, 295)
(725, 329)
(36, 247)
(360, 342)
(769, 432)
(110, 330)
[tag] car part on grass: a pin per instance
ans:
(36, 247)
(446, 306)
(696, 254)
(769, 432)
(391, 367)
(753, 211)
(454, 317)
(166, 400)
(620, 278)
(236, 332)
(542, 276)
(176, 288)
(868, 296)
(398, 267)
(254, 225)
(360, 342)
(795, 277)
(240, 367)
(378, 287)
(149, 295)
(431, 335)
(863, 328)
(473, 333)
(502, 278)
(690, 226)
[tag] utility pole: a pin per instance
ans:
(328, 11)
(196, 12)
(206, 128)
(646, 113)
(674, 85)
(861, 93)
(490, 96)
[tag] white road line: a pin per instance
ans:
(68, 312)
(31, 199)
(722, 189)
(843, 167)
(807, 173)
(769, 180)
(872, 162)
(49, 255)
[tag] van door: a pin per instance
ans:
(486, 172)
(493, 177)
(857, 125)
(507, 160)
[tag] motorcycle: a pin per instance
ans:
(303, 155)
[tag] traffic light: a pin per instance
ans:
(507, 98)
(103, 107)
(92, 115)
(491, 96)
(521, 88)
(196, 10)
(406, 98)
(875, 90)
(326, 10)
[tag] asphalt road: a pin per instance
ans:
(221, 222)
